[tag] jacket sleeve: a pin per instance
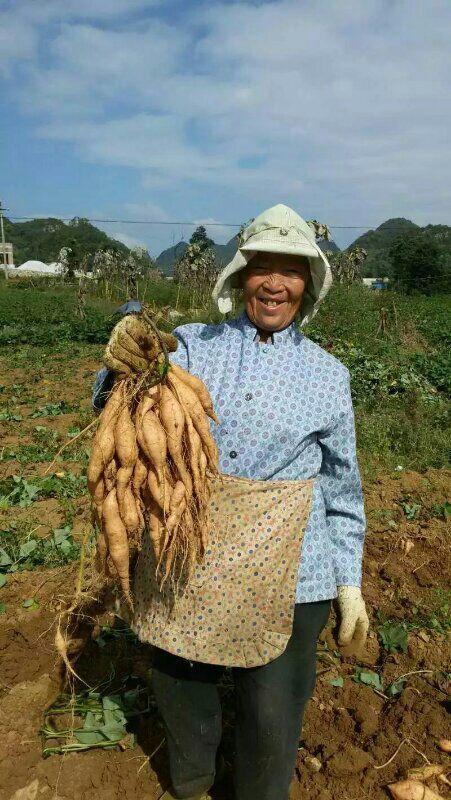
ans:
(102, 387)
(342, 489)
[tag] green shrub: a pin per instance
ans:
(398, 383)
(406, 432)
(436, 368)
(21, 550)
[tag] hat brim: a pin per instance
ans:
(315, 291)
(222, 291)
(295, 247)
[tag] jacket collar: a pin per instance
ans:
(249, 330)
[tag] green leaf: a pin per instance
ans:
(393, 636)
(51, 410)
(89, 737)
(61, 535)
(9, 416)
(92, 720)
(113, 702)
(114, 718)
(337, 682)
(368, 677)
(30, 604)
(2, 579)
(411, 509)
(443, 510)
(65, 547)
(113, 733)
(27, 548)
(26, 492)
(5, 560)
(2, 608)
(396, 687)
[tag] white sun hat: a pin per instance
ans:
(278, 230)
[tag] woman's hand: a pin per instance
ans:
(133, 346)
(354, 622)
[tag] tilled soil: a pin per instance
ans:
(350, 732)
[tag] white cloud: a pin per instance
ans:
(129, 241)
(55, 10)
(154, 237)
(18, 41)
(22, 22)
(337, 108)
(152, 142)
(146, 211)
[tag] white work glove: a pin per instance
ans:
(354, 622)
(133, 345)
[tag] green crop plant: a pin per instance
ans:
(28, 453)
(52, 410)
(393, 636)
(21, 549)
(18, 491)
(399, 383)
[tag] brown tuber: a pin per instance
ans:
(153, 458)
(412, 790)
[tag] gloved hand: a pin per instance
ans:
(133, 345)
(354, 622)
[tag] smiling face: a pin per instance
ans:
(273, 285)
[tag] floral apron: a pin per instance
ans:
(237, 608)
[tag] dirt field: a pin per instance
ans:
(351, 729)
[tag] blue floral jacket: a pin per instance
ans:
(285, 413)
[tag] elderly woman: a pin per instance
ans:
(286, 415)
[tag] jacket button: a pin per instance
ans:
(248, 396)
(233, 454)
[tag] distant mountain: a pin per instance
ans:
(377, 243)
(442, 235)
(382, 237)
(328, 247)
(224, 253)
(166, 260)
(42, 239)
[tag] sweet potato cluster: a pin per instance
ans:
(151, 466)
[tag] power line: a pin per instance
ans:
(168, 222)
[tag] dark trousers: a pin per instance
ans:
(270, 702)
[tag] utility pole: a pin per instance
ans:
(5, 266)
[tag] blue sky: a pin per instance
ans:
(211, 112)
